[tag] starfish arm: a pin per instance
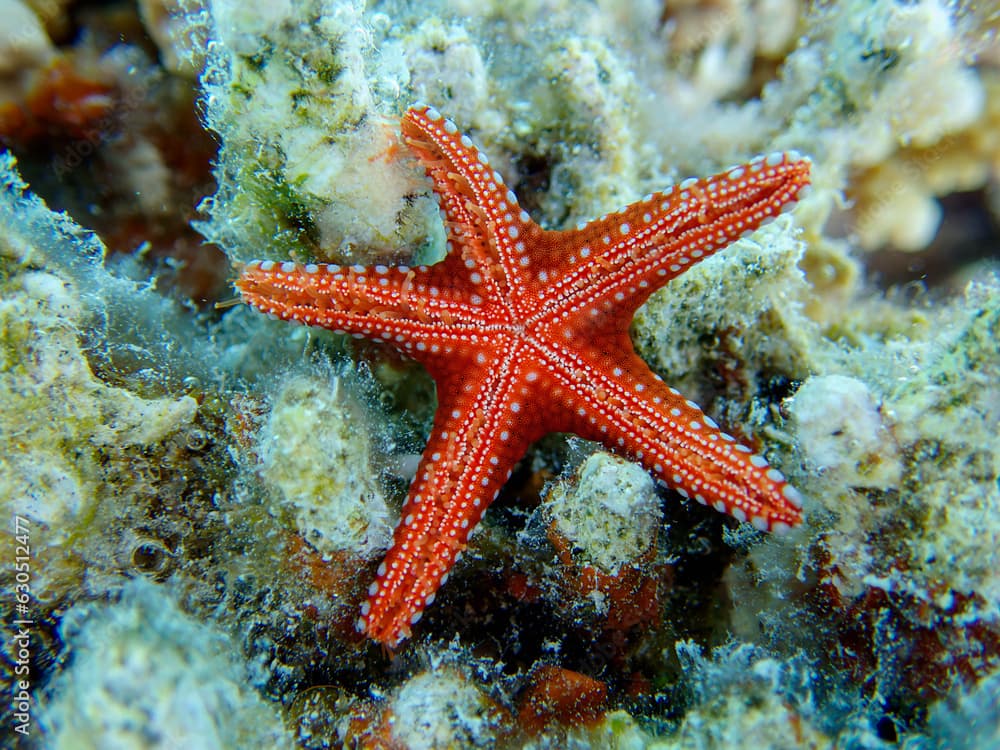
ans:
(631, 411)
(640, 249)
(482, 214)
(425, 131)
(401, 305)
(481, 429)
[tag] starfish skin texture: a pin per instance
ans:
(525, 332)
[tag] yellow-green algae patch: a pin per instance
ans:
(62, 424)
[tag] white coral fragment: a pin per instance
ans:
(315, 456)
(612, 513)
(842, 434)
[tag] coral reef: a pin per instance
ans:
(208, 490)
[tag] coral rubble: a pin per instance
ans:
(144, 675)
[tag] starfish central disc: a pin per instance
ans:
(525, 332)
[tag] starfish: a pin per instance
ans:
(525, 332)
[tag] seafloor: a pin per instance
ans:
(195, 497)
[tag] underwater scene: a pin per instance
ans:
(471, 374)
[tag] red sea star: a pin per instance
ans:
(525, 332)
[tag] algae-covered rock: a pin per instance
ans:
(840, 431)
(317, 457)
(611, 514)
(145, 675)
(63, 424)
(442, 707)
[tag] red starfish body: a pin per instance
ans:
(525, 332)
